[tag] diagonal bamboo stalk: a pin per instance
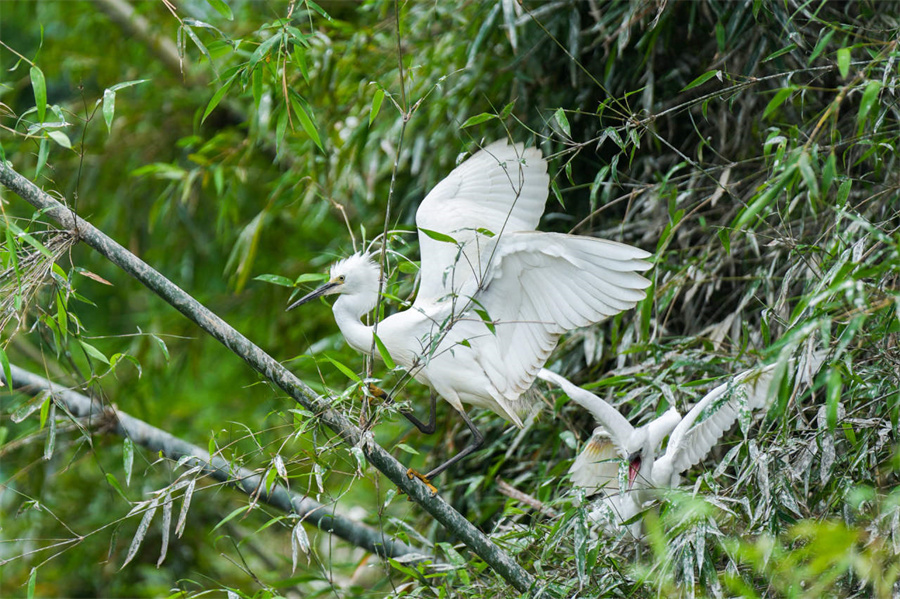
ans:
(499, 560)
(245, 480)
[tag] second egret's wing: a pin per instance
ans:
(692, 440)
(500, 189)
(615, 425)
(543, 284)
(596, 468)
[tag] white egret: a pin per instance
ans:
(494, 294)
(690, 439)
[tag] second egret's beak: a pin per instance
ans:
(634, 467)
(323, 290)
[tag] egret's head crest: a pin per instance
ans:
(360, 273)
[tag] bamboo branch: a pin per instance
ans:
(217, 467)
(272, 370)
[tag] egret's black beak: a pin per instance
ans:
(324, 289)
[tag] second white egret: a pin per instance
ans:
(494, 295)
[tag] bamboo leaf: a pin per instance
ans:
(477, 119)
(217, 97)
(346, 371)
(777, 101)
(870, 96)
(275, 280)
(127, 459)
(307, 123)
(230, 516)
(109, 107)
(32, 579)
(438, 236)
(60, 138)
(114, 483)
(93, 351)
(700, 80)
(185, 506)
(223, 9)
(142, 529)
(383, 352)
(376, 105)
(563, 121)
(843, 62)
(166, 525)
(39, 85)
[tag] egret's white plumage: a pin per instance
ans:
(690, 439)
(494, 294)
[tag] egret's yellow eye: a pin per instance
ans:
(341, 278)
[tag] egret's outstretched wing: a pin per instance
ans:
(596, 468)
(691, 441)
(543, 284)
(500, 188)
(615, 425)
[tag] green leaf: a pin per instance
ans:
(217, 97)
(870, 96)
(257, 85)
(310, 276)
(843, 61)
(832, 397)
(43, 152)
(109, 107)
(307, 123)
(820, 46)
(93, 351)
(438, 236)
(344, 370)
(275, 279)
(114, 483)
(720, 36)
(61, 315)
(127, 459)
(563, 120)
(406, 448)
(507, 110)
(222, 8)
(39, 85)
(376, 105)
(45, 410)
(162, 346)
(700, 80)
(263, 50)
(777, 101)
(236, 512)
(843, 192)
(385, 354)
(60, 138)
(809, 176)
(829, 171)
(782, 51)
(32, 579)
(478, 119)
(4, 364)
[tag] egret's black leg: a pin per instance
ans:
(424, 427)
(477, 442)
(431, 425)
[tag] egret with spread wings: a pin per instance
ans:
(691, 438)
(494, 295)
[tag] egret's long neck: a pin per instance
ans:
(348, 312)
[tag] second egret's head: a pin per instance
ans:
(356, 275)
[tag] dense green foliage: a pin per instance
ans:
(751, 146)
